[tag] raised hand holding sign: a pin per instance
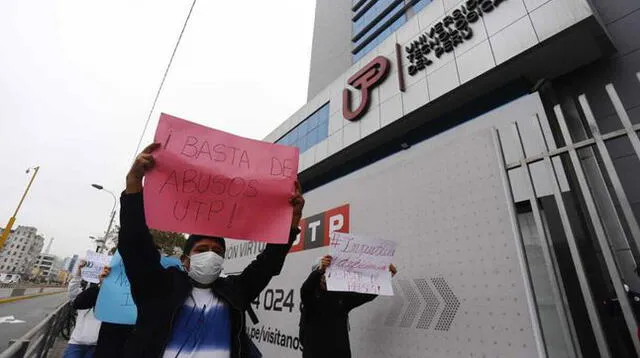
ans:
(115, 303)
(360, 264)
(209, 182)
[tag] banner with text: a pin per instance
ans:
(360, 264)
(95, 263)
(210, 182)
(114, 304)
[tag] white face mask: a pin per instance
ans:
(205, 267)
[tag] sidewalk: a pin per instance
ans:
(58, 348)
(24, 297)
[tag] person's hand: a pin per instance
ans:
(143, 163)
(325, 262)
(105, 272)
(393, 270)
(81, 264)
(297, 201)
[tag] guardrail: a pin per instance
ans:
(38, 341)
(29, 285)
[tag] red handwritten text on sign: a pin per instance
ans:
(214, 183)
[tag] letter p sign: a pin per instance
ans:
(367, 78)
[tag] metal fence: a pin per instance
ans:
(38, 341)
(613, 197)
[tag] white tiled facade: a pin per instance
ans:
(511, 29)
(49, 266)
(21, 250)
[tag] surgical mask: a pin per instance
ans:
(205, 267)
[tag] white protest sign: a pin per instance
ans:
(360, 264)
(95, 263)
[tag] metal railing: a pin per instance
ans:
(29, 285)
(595, 208)
(38, 341)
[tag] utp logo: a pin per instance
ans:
(364, 80)
(317, 229)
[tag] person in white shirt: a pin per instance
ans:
(84, 337)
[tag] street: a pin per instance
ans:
(26, 314)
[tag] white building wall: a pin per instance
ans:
(460, 290)
(511, 29)
(21, 250)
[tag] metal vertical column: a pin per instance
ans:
(545, 243)
(599, 230)
(590, 304)
(522, 257)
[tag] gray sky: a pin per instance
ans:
(77, 79)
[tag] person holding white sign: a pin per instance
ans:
(324, 317)
(84, 337)
(111, 337)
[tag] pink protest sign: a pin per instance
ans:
(209, 182)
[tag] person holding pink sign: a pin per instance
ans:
(195, 312)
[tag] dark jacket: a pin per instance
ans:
(159, 293)
(324, 320)
(112, 337)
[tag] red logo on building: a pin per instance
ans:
(367, 78)
(317, 229)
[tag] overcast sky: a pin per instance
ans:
(77, 79)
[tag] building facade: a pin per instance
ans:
(495, 141)
(47, 267)
(69, 263)
(21, 250)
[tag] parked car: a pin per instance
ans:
(9, 278)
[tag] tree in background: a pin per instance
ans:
(168, 241)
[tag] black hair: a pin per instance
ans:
(193, 239)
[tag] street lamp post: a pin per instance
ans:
(98, 241)
(12, 219)
(113, 214)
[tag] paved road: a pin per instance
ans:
(32, 311)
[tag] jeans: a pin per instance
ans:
(78, 351)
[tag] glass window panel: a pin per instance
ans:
(383, 35)
(325, 112)
(359, 24)
(371, 15)
(303, 128)
(304, 143)
(289, 138)
(312, 138)
(323, 130)
(296, 144)
(380, 23)
(313, 121)
(300, 144)
(286, 140)
(309, 132)
(395, 25)
(421, 5)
